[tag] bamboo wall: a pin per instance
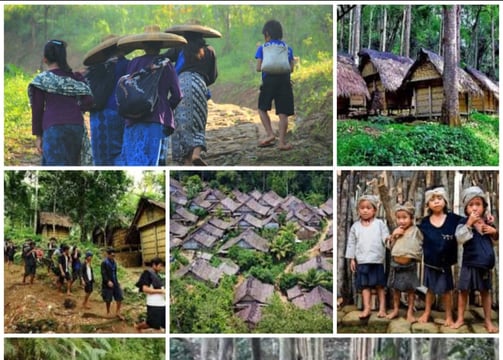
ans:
(58, 232)
(487, 103)
(153, 240)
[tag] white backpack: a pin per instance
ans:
(275, 59)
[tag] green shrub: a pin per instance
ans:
(361, 143)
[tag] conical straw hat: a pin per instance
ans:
(205, 31)
(151, 34)
(102, 51)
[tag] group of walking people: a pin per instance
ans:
(64, 261)
(60, 96)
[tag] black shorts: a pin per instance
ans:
(279, 89)
(114, 293)
(75, 274)
(30, 269)
(63, 277)
(88, 287)
(156, 317)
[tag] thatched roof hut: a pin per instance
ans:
(384, 72)
(352, 91)
(489, 102)
(51, 224)
(424, 85)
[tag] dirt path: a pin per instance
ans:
(232, 134)
(39, 308)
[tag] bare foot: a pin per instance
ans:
(457, 324)
(364, 314)
(491, 329)
(285, 147)
(86, 306)
(423, 319)
(449, 322)
(267, 142)
(392, 315)
(411, 318)
(381, 314)
(121, 317)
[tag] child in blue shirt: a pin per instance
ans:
(476, 236)
(275, 86)
(439, 250)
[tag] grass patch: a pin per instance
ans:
(379, 143)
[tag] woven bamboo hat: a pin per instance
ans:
(151, 35)
(194, 27)
(102, 51)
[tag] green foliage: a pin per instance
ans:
(197, 308)
(267, 273)
(17, 118)
(194, 185)
(287, 281)
(247, 258)
(314, 278)
(84, 348)
(286, 318)
(360, 143)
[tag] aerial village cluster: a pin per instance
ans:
(245, 213)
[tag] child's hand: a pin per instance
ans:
(352, 265)
(490, 219)
(488, 230)
(399, 231)
(472, 219)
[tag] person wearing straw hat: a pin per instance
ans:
(58, 97)
(196, 67)
(107, 126)
(145, 136)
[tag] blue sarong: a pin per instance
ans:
(107, 132)
(140, 145)
(61, 145)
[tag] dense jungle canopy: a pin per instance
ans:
(306, 28)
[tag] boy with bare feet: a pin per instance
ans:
(110, 287)
(276, 84)
(366, 252)
(405, 243)
(88, 277)
(64, 265)
(477, 236)
(440, 251)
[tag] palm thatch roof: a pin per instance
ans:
(349, 80)
(253, 290)
(483, 81)
(391, 68)
(49, 218)
(465, 83)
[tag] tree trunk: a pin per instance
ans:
(356, 31)
(450, 104)
(383, 28)
(371, 26)
(225, 348)
(437, 349)
(256, 349)
(493, 47)
(350, 32)
(406, 39)
(286, 349)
